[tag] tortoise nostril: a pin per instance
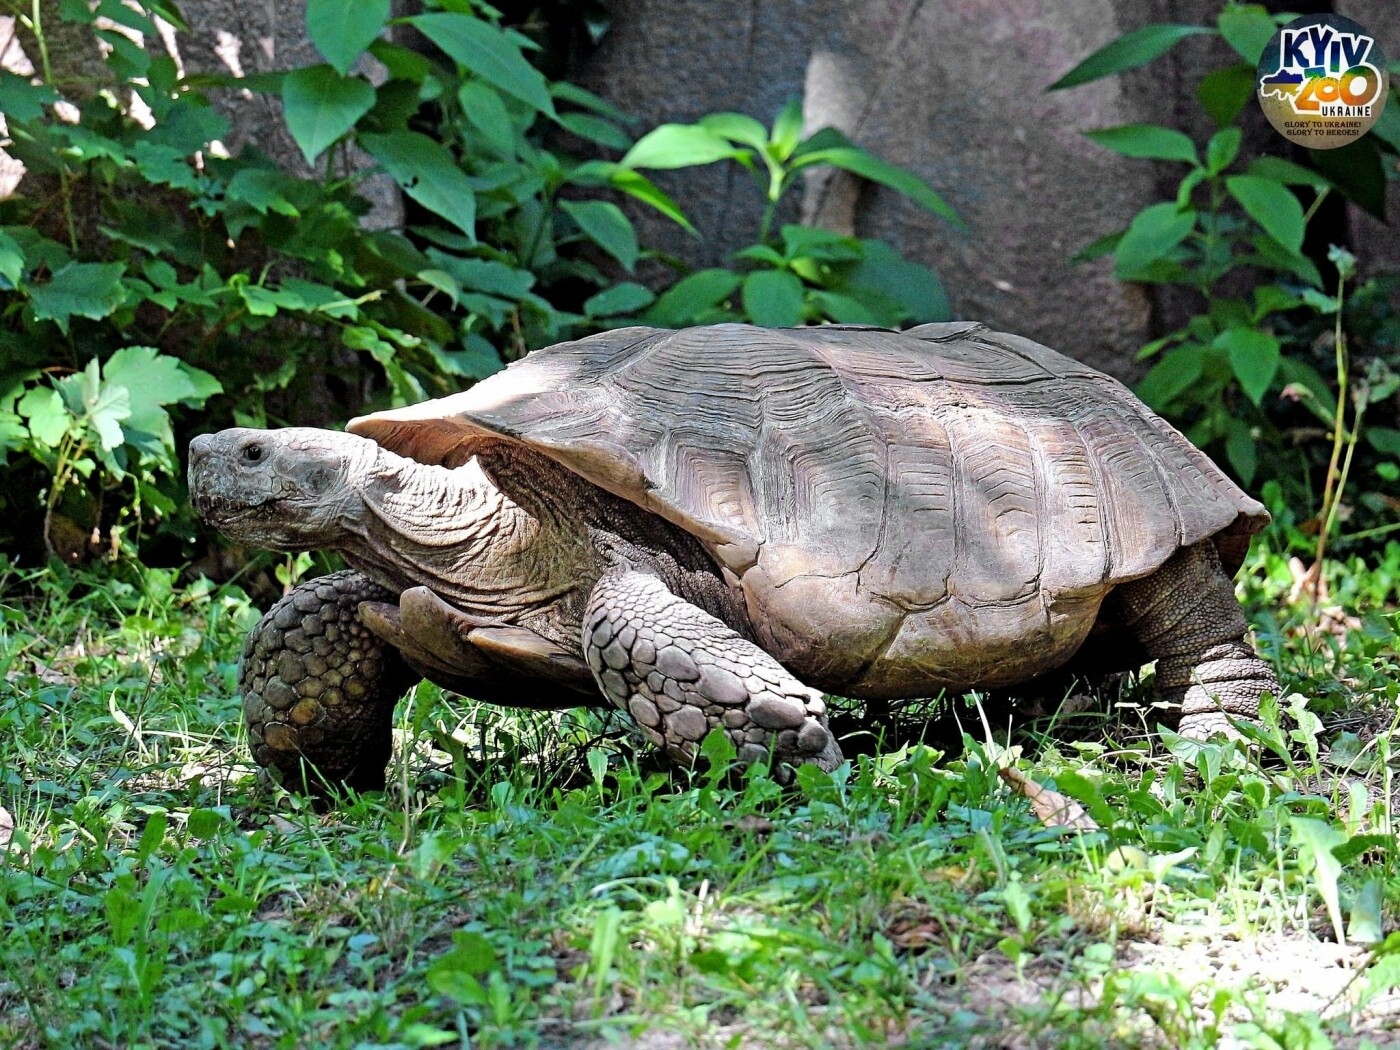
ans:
(200, 448)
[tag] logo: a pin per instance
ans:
(1322, 81)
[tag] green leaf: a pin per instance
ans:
(11, 259)
(680, 146)
(1127, 52)
(638, 186)
(79, 290)
(1276, 169)
(787, 129)
(1175, 373)
(1224, 92)
(1247, 28)
(1254, 358)
(738, 127)
(22, 100)
(1097, 249)
(48, 417)
(489, 53)
(596, 129)
(625, 298)
(1154, 232)
(869, 166)
(692, 296)
(606, 226)
(1222, 149)
(487, 113)
(342, 29)
(773, 298)
(914, 289)
(1316, 839)
(428, 173)
(1358, 171)
(153, 380)
(1145, 140)
(1272, 206)
(572, 93)
(320, 105)
(1241, 450)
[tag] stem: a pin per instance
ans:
(1331, 491)
(36, 26)
(1317, 203)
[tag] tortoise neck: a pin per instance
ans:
(454, 531)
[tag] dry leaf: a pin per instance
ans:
(1053, 809)
(7, 826)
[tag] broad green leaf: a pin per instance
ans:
(22, 100)
(1316, 839)
(572, 93)
(1224, 92)
(773, 298)
(738, 127)
(1241, 449)
(1097, 249)
(787, 129)
(1254, 358)
(153, 380)
(48, 417)
(487, 113)
(691, 296)
(1247, 28)
(1145, 140)
(428, 173)
(1272, 206)
(596, 129)
(1177, 371)
(11, 259)
(869, 166)
(342, 29)
(915, 289)
(1154, 232)
(1127, 52)
(262, 189)
(637, 185)
(79, 290)
(489, 53)
(320, 105)
(607, 227)
(1222, 149)
(680, 146)
(1358, 171)
(844, 309)
(625, 298)
(485, 275)
(102, 405)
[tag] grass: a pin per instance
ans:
(533, 882)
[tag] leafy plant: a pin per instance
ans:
(1236, 373)
(143, 270)
(802, 274)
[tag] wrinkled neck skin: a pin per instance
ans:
(453, 530)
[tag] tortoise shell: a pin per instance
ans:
(900, 511)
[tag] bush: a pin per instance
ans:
(144, 274)
(1277, 369)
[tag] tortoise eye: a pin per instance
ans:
(253, 453)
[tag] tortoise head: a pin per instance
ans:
(295, 488)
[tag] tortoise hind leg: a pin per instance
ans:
(1185, 615)
(319, 687)
(680, 672)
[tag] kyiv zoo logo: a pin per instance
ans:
(1322, 81)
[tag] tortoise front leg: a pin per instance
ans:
(680, 672)
(1186, 617)
(319, 687)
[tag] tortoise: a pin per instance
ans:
(709, 528)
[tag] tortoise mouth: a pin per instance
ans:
(221, 512)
